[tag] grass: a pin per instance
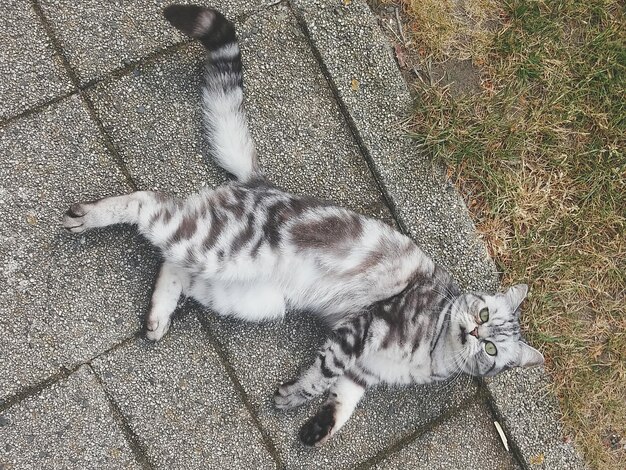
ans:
(538, 153)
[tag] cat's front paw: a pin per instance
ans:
(289, 395)
(154, 329)
(75, 218)
(317, 430)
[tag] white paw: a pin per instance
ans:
(155, 328)
(75, 219)
(289, 395)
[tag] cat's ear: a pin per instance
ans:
(529, 356)
(516, 294)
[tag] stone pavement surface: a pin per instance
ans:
(101, 98)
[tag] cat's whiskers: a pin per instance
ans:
(458, 369)
(444, 295)
(444, 284)
(456, 375)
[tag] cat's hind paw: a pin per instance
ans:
(317, 430)
(74, 219)
(289, 395)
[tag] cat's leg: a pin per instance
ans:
(140, 207)
(338, 354)
(169, 286)
(342, 400)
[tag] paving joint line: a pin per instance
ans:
(130, 66)
(63, 373)
(117, 73)
(243, 17)
(27, 392)
(497, 415)
(35, 109)
(86, 100)
(230, 371)
(136, 446)
(115, 347)
(391, 205)
(422, 430)
(117, 158)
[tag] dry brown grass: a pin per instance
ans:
(539, 155)
(450, 28)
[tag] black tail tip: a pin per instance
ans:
(192, 20)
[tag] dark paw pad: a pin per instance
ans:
(75, 211)
(283, 387)
(317, 430)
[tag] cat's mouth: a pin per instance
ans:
(465, 333)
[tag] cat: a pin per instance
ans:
(252, 251)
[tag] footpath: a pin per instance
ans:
(101, 98)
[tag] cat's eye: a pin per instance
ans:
(484, 315)
(490, 348)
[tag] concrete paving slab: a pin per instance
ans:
(153, 118)
(31, 71)
(180, 403)
(63, 299)
(98, 37)
(304, 143)
(68, 425)
(527, 410)
(467, 440)
(264, 355)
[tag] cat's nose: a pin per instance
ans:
(474, 332)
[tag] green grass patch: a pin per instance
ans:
(539, 155)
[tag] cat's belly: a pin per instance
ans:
(249, 301)
(266, 294)
(261, 287)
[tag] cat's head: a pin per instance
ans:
(485, 333)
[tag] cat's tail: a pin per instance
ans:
(223, 112)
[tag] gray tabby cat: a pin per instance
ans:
(252, 251)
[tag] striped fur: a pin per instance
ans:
(224, 115)
(250, 250)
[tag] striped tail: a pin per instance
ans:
(223, 112)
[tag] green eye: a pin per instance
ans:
(484, 315)
(490, 348)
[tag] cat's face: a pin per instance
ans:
(485, 333)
